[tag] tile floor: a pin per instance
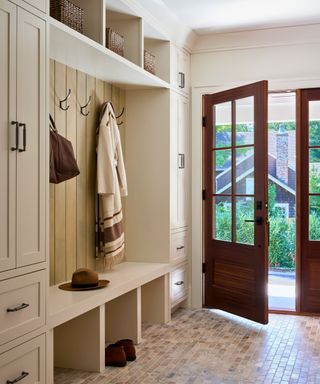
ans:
(209, 347)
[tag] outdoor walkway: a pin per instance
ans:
(281, 290)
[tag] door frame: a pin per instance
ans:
(197, 242)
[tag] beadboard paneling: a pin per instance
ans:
(72, 203)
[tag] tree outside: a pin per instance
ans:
(282, 243)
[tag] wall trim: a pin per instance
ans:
(258, 38)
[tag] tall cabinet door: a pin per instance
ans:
(179, 161)
(31, 113)
(7, 134)
(182, 162)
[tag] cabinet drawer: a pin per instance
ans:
(25, 362)
(178, 284)
(22, 305)
(179, 247)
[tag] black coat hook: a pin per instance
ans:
(65, 101)
(117, 117)
(84, 107)
(122, 112)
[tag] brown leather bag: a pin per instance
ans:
(63, 165)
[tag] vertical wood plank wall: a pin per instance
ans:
(72, 203)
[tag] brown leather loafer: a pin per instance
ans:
(129, 348)
(115, 356)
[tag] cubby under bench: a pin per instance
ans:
(81, 323)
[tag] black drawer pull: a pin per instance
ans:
(21, 377)
(179, 283)
(179, 248)
(16, 123)
(18, 307)
(24, 137)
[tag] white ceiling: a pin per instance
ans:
(208, 16)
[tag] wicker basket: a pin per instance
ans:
(149, 62)
(68, 13)
(114, 41)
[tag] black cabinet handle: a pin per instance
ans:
(18, 307)
(181, 161)
(17, 135)
(179, 283)
(24, 137)
(181, 247)
(182, 82)
(21, 377)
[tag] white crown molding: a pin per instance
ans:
(260, 38)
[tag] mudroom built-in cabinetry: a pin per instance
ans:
(49, 231)
(23, 191)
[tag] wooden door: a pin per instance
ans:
(7, 134)
(235, 174)
(308, 118)
(33, 130)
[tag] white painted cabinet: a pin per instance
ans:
(179, 161)
(24, 363)
(178, 285)
(180, 69)
(41, 5)
(22, 137)
(8, 17)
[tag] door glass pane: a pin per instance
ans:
(244, 211)
(314, 170)
(244, 171)
(222, 169)
(245, 121)
(314, 123)
(223, 124)
(222, 222)
(314, 217)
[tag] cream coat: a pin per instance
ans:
(111, 185)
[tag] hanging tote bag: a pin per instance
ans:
(63, 165)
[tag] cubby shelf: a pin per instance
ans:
(80, 52)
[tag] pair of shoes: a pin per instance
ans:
(117, 355)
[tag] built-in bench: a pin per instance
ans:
(81, 323)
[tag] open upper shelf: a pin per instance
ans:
(80, 52)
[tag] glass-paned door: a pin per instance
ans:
(235, 173)
(308, 196)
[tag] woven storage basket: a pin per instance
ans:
(114, 41)
(149, 62)
(68, 13)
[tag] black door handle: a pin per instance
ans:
(24, 137)
(258, 220)
(16, 123)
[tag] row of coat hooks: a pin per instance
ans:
(83, 109)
